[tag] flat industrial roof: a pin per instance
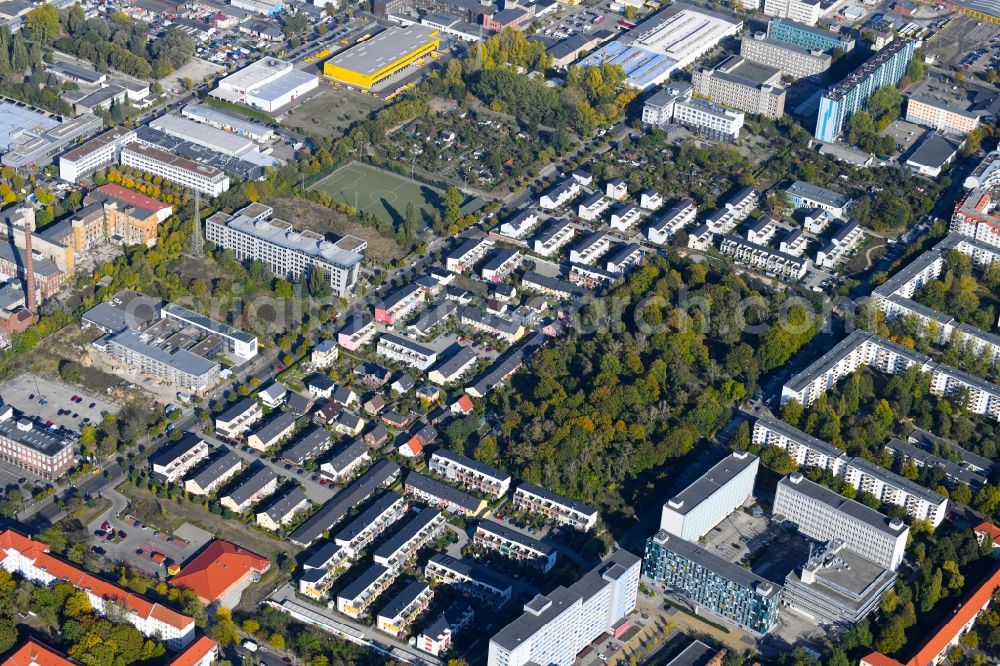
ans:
(190, 130)
(375, 54)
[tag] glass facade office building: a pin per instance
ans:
(714, 584)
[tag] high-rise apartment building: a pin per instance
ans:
(694, 511)
(822, 514)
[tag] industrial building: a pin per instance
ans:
(28, 444)
(374, 60)
(742, 84)
(887, 67)
(254, 235)
(218, 140)
(694, 511)
(666, 42)
(98, 153)
(941, 115)
(837, 587)
(792, 60)
(184, 172)
(557, 626)
(711, 583)
(267, 84)
(822, 514)
(208, 115)
(32, 137)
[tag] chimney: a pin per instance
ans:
(28, 221)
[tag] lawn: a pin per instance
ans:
(168, 515)
(379, 192)
(306, 214)
(331, 112)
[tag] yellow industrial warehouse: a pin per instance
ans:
(372, 61)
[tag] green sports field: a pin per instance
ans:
(381, 193)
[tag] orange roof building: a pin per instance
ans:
(34, 653)
(957, 625)
(221, 570)
(987, 529)
(31, 559)
(203, 652)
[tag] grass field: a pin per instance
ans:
(331, 112)
(381, 193)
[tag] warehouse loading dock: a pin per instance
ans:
(372, 61)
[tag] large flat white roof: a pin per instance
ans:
(189, 130)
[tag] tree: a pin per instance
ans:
(223, 629)
(43, 22)
(8, 634)
(277, 641)
(453, 199)
(319, 285)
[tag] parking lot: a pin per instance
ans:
(177, 547)
(905, 135)
(44, 399)
(735, 536)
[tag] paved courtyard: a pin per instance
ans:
(177, 547)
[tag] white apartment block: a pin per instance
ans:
(400, 304)
(514, 545)
(354, 600)
(173, 462)
(624, 217)
(675, 218)
(894, 296)
(856, 350)
(986, 175)
(741, 84)
(724, 219)
(556, 627)
(213, 477)
(866, 349)
(588, 250)
(841, 246)
(553, 238)
(891, 488)
(98, 153)
(693, 512)
(561, 510)
(178, 170)
(795, 243)
(822, 514)
(591, 208)
(238, 418)
(624, 257)
(472, 579)
(714, 121)
(322, 570)
(237, 342)
(373, 521)
(402, 547)
(31, 559)
(521, 224)
(181, 368)
(500, 264)
(793, 61)
(406, 351)
(468, 254)
(802, 11)
(471, 474)
(397, 615)
(804, 449)
(762, 258)
(253, 236)
(560, 195)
